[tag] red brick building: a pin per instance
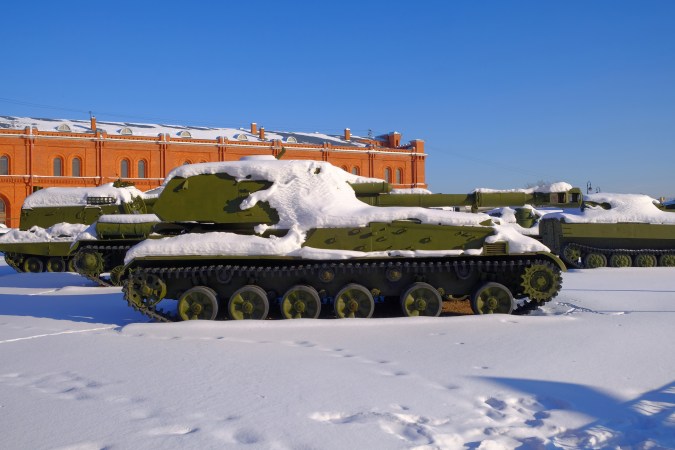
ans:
(37, 153)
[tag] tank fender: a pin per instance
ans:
(555, 259)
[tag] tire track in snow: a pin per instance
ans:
(57, 334)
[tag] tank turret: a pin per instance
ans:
(248, 239)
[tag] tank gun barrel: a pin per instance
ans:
(379, 194)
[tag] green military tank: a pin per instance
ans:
(292, 239)
(613, 230)
(51, 219)
(103, 250)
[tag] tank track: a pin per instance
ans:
(11, 262)
(585, 249)
(199, 274)
(106, 252)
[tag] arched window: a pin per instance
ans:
(187, 162)
(58, 167)
(3, 211)
(184, 134)
(399, 176)
(387, 175)
(291, 140)
(76, 167)
(241, 137)
(355, 170)
(64, 127)
(344, 168)
(124, 168)
(4, 165)
(141, 169)
(126, 131)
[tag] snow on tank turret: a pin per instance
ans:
(292, 239)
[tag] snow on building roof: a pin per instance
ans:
(177, 131)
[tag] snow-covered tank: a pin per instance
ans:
(615, 230)
(51, 219)
(250, 238)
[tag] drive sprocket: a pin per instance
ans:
(541, 281)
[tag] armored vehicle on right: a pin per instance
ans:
(612, 230)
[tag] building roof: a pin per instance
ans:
(177, 131)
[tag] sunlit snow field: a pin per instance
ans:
(594, 369)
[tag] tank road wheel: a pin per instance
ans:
(541, 281)
(571, 254)
(354, 300)
(595, 260)
(301, 302)
(248, 302)
(492, 298)
(667, 260)
(71, 265)
(645, 260)
(421, 299)
(620, 260)
(198, 303)
(33, 264)
(56, 264)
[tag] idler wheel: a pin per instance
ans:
(492, 298)
(571, 254)
(248, 302)
(353, 301)
(421, 299)
(301, 302)
(145, 289)
(198, 303)
(88, 261)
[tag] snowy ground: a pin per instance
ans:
(595, 369)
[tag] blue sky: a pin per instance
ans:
(504, 93)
